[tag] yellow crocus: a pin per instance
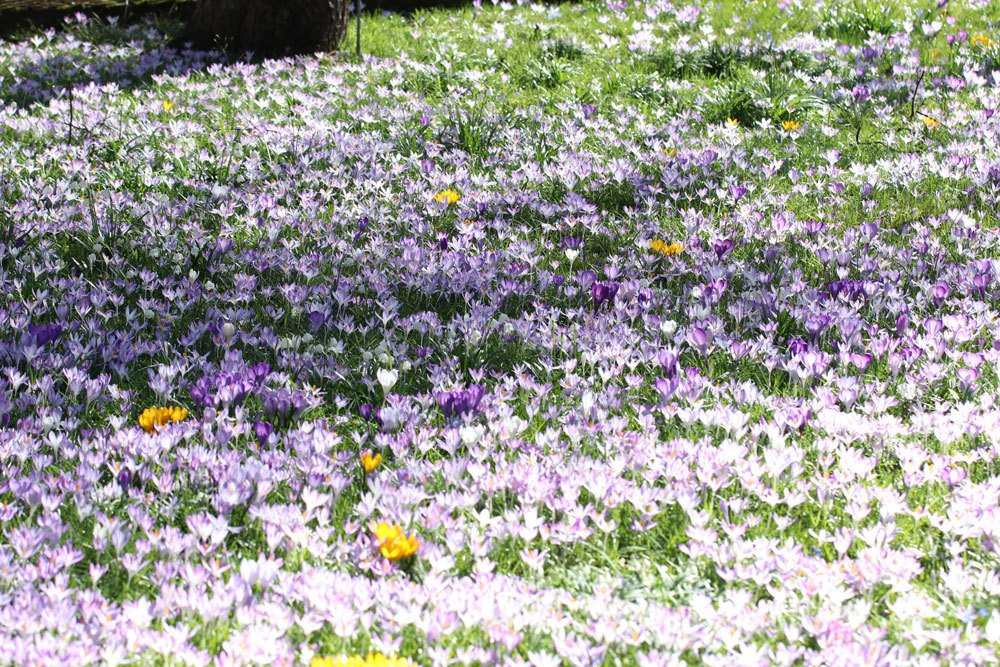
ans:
(447, 197)
(370, 462)
(154, 418)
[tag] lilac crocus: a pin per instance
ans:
(699, 338)
(940, 292)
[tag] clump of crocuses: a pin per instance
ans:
(461, 402)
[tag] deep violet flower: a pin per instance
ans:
(722, 247)
(262, 430)
(43, 334)
(458, 403)
(604, 293)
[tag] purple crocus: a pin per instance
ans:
(699, 338)
(722, 246)
(283, 405)
(940, 292)
(44, 333)
(666, 387)
(263, 431)
(458, 403)
(316, 321)
(817, 324)
(954, 475)
(125, 478)
(967, 378)
(797, 346)
(668, 362)
(603, 293)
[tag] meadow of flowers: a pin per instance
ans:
(588, 334)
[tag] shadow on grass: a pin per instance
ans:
(111, 46)
(46, 62)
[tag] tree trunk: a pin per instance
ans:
(269, 27)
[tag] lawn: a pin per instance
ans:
(571, 333)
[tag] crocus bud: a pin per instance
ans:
(263, 431)
(387, 378)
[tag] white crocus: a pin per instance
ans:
(387, 378)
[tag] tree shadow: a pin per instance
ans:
(53, 63)
(25, 20)
(50, 56)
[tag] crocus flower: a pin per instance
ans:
(44, 333)
(387, 378)
(457, 403)
(722, 246)
(155, 418)
(262, 430)
(392, 542)
(603, 293)
(370, 462)
(699, 338)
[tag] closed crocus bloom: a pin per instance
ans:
(967, 378)
(457, 403)
(668, 361)
(125, 478)
(369, 461)
(263, 430)
(699, 338)
(954, 475)
(387, 378)
(666, 387)
(861, 361)
(940, 292)
(603, 293)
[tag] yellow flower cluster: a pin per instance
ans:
(791, 125)
(661, 247)
(732, 122)
(369, 462)
(981, 40)
(153, 418)
(370, 660)
(669, 152)
(167, 105)
(393, 543)
(447, 197)
(931, 123)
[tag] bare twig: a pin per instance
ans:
(913, 97)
